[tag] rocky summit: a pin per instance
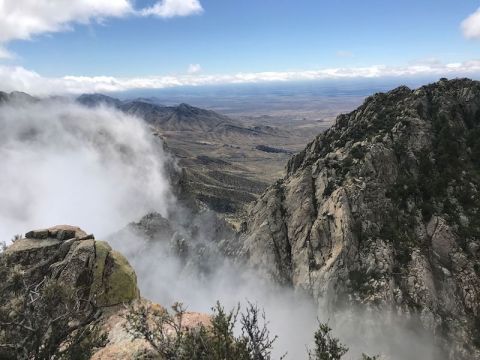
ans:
(381, 211)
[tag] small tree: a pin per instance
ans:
(162, 330)
(255, 330)
(330, 348)
(326, 346)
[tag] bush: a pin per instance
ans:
(172, 341)
(165, 332)
(428, 210)
(357, 152)
(326, 346)
(367, 357)
(44, 320)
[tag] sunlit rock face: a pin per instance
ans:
(382, 209)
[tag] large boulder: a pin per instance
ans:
(71, 256)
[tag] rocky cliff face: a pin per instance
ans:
(382, 210)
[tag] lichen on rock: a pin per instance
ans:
(68, 254)
(115, 281)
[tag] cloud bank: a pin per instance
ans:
(23, 19)
(66, 164)
(17, 78)
(471, 26)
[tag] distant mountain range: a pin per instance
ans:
(182, 117)
(215, 150)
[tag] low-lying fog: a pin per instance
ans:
(62, 163)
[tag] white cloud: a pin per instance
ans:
(471, 26)
(171, 8)
(21, 79)
(194, 68)
(23, 19)
(103, 189)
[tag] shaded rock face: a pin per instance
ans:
(69, 255)
(382, 209)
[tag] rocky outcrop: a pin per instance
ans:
(74, 260)
(70, 256)
(382, 210)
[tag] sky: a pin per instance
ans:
(75, 46)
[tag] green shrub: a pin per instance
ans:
(357, 152)
(327, 347)
(172, 341)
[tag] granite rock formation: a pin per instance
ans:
(382, 211)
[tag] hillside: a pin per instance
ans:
(381, 211)
(224, 159)
(176, 118)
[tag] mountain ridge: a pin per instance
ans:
(381, 211)
(182, 117)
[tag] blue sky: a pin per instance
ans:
(251, 36)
